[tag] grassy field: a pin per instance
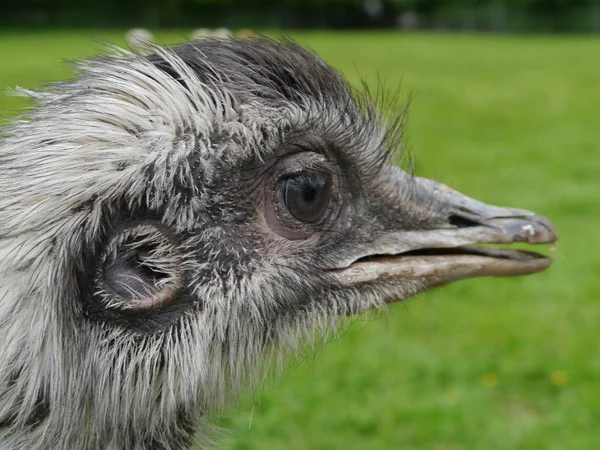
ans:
(483, 364)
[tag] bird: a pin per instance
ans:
(222, 33)
(201, 33)
(172, 224)
(217, 33)
(139, 40)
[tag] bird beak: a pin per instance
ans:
(448, 250)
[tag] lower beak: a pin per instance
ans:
(435, 257)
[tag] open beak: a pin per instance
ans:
(449, 251)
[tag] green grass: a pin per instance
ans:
(482, 364)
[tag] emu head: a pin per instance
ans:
(170, 221)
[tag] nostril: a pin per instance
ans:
(462, 221)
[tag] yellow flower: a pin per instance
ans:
(489, 380)
(559, 377)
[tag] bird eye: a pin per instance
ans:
(306, 196)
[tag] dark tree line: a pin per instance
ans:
(484, 15)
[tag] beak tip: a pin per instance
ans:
(529, 229)
(545, 233)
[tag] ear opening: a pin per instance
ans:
(140, 270)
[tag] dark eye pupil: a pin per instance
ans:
(310, 194)
(307, 195)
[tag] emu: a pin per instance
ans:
(172, 223)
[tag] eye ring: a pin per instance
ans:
(303, 201)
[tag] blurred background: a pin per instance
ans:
(505, 106)
(484, 15)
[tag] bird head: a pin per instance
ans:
(171, 221)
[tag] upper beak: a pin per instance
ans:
(448, 251)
